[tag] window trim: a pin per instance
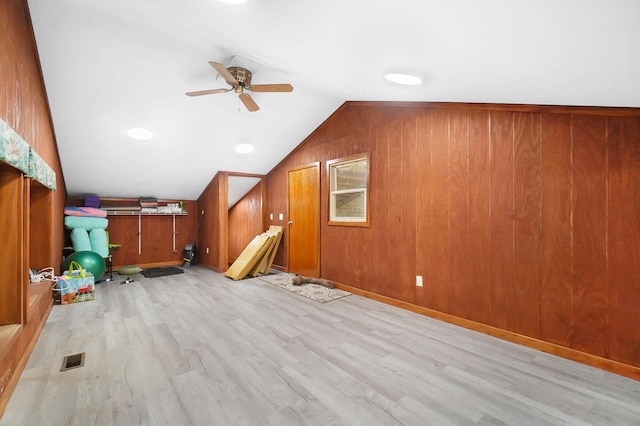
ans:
(331, 164)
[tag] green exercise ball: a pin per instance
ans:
(89, 260)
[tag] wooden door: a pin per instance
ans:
(304, 216)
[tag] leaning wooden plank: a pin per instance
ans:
(263, 262)
(267, 266)
(253, 272)
(255, 269)
(239, 268)
(255, 263)
(258, 256)
(254, 254)
(265, 259)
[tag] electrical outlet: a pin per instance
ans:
(418, 280)
(281, 216)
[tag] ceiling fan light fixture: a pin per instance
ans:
(406, 79)
(244, 148)
(139, 134)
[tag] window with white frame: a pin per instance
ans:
(348, 191)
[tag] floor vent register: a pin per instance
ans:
(70, 362)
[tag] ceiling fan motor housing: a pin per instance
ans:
(242, 75)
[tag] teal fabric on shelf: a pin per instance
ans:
(13, 149)
(88, 223)
(39, 170)
(16, 152)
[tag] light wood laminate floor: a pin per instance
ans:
(200, 349)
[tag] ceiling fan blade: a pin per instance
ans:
(224, 73)
(206, 92)
(249, 102)
(270, 88)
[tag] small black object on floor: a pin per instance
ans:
(161, 272)
(127, 281)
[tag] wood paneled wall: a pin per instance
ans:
(226, 232)
(12, 184)
(521, 218)
(31, 216)
(214, 229)
(156, 243)
(147, 240)
(24, 106)
(245, 221)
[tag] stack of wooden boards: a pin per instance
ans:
(258, 256)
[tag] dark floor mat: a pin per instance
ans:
(161, 272)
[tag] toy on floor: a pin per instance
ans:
(127, 281)
(299, 280)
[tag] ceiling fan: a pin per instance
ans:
(239, 79)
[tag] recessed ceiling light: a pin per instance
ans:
(233, 1)
(244, 148)
(139, 134)
(407, 79)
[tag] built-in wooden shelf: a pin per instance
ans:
(139, 213)
(37, 290)
(7, 334)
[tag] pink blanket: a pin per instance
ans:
(85, 211)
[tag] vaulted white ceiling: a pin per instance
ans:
(112, 65)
